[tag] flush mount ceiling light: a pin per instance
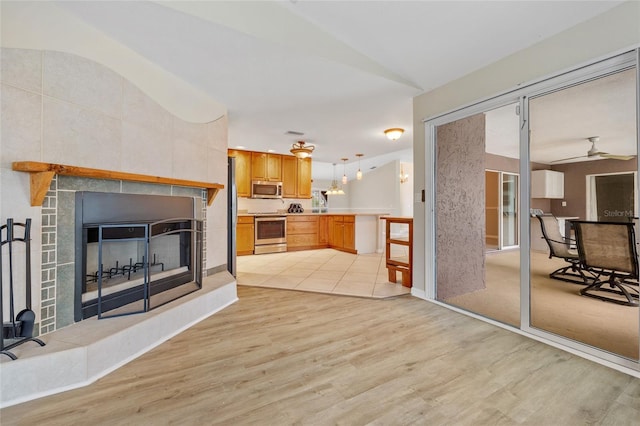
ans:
(301, 150)
(359, 173)
(334, 189)
(394, 133)
(344, 170)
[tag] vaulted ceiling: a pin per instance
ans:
(338, 71)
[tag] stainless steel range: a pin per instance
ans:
(271, 234)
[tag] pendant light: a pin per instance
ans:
(301, 150)
(359, 173)
(344, 168)
(334, 189)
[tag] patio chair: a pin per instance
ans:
(562, 248)
(608, 250)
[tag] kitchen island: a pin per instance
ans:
(353, 232)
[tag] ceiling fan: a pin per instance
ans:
(594, 152)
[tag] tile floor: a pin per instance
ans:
(321, 271)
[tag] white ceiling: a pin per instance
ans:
(339, 71)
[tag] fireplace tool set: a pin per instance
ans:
(19, 328)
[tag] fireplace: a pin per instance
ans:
(134, 252)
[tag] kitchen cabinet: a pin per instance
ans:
(302, 232)
(323, 230)
(296, 177)
(342, 233)
(245, 235)
(266, 167)
(547, 184)
(293, 172)
(289, 176)
(304, 178)
(349, 237)
(243, 171)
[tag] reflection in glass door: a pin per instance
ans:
(576, 133)
(509, 215)
(611, 197)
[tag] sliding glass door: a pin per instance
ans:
(583, 137)
(566, 151)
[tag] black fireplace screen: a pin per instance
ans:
(128, 267)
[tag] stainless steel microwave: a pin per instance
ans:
(262, 189)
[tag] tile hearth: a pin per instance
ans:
(321, 271)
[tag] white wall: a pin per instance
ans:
(378, 191)
(612, 32)
(406, 191)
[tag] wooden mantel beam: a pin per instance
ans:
(42, 174)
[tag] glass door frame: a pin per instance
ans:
(521, 96)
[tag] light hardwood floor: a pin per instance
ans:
(284, 357)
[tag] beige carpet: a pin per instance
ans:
(556, 306)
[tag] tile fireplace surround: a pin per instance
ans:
(61, 108)
(58, 245)
(80, 353)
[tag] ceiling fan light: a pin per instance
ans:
(394, 133)
(301, 150)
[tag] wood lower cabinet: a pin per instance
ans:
(342, 233)
(337, 240)
(245, 235)
(302, 232)
(243, 171)
(349, 233)
(323, 230)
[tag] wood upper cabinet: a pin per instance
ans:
(304, 178)
(243, 171)
(289, 176)
(296, 177)
(294, 173)
(266, 167)
(245, 235)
